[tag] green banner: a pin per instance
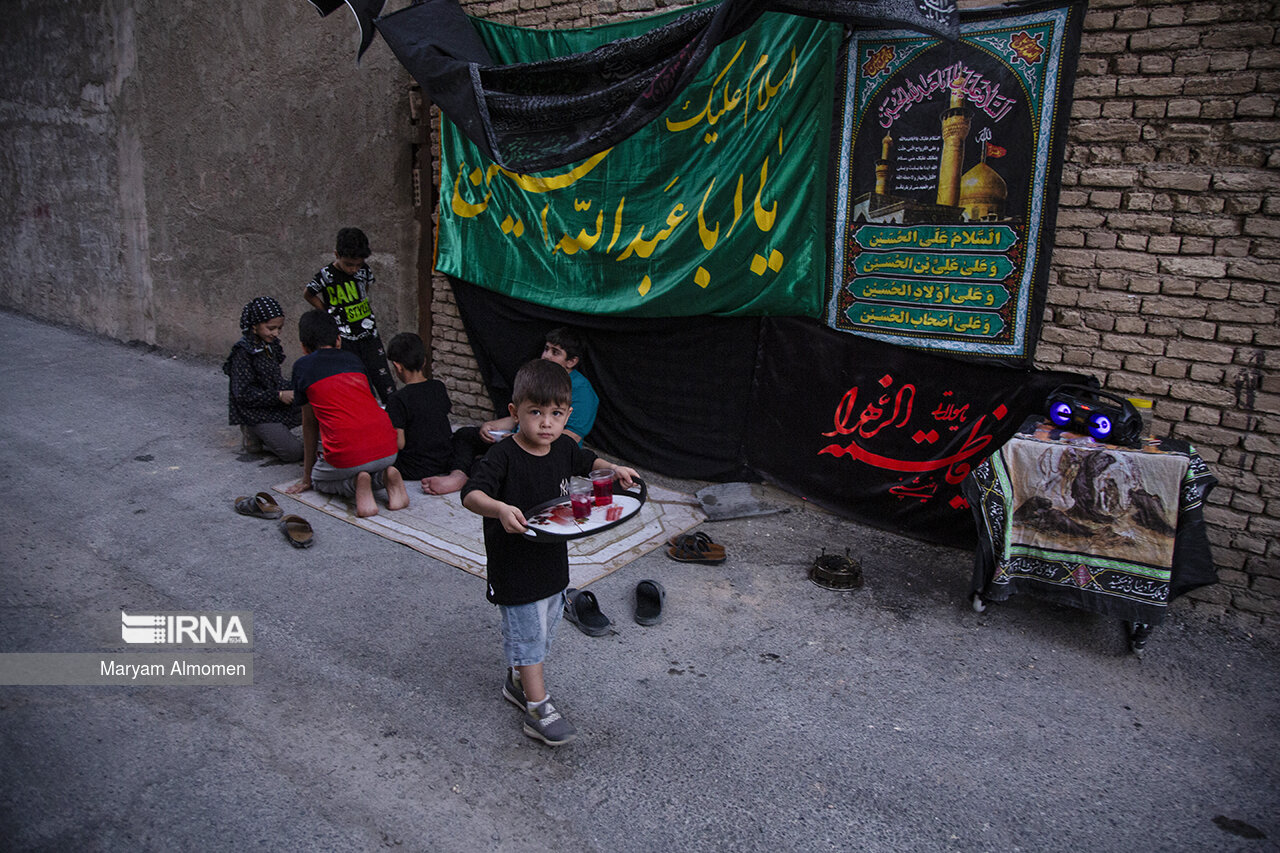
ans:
(715, 208)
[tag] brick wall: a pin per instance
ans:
(1166, 277)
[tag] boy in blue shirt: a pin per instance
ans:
(527, 578)
(564, 347)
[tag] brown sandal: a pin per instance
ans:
(698, 542)
(696, 548)
(261, 505)
(297, 530)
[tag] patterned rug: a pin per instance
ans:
(439, 526)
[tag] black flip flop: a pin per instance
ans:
(261, 505)
(582, 609)
(649, 598)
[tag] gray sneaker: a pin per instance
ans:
(548, 725)
(512, 691)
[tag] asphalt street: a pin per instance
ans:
(763, 713)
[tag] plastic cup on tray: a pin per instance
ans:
(580, 498)
(602, 486)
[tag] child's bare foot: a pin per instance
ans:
(397, 494)
(366, 506)
(444, 483)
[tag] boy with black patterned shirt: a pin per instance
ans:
(342, 289)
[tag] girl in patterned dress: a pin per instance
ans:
(259, 399)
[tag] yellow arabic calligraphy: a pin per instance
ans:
(764, 219)
(730, 101)
(537, 184)
(528, 183)
(463, 208)
(570, 245)
(644, 248)
(709, 236)
(764, 210)
(765, 90)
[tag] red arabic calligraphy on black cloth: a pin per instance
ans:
(732, 398)
(883, 433)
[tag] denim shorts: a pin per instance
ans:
(527, 629)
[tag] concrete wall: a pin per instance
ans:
(163, 163)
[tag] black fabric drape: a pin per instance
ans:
(882, 433)
(326, 7)
(673, 392)
(541, 115)
(739, 398)
(364, 10)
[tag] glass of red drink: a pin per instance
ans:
(602, 486)
(580, 498)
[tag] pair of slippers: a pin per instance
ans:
(582, 609)
(296, 529)
(695, 548)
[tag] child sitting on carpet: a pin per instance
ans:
(527, 579)
(563, 346)
(430, 450)
(258, 398)
(338, 408)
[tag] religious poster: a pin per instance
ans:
(715, 208)
(949, 164)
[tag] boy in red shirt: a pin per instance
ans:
(338, 407)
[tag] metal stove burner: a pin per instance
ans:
(831, 571)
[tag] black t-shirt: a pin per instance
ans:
(522, 569)
(421, 409)
(346, 298)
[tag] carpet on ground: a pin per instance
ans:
(439, 526)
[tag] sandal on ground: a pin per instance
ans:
(690, 550)
(261, 505)
(582, 609)
(649, 598)
(699, 541)
(297, 530)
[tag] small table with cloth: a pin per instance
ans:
(1113, 530)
